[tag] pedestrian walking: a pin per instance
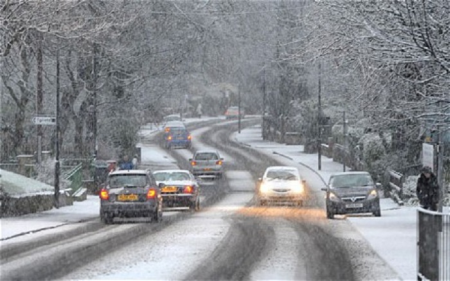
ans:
(428, 189)
(135, 161)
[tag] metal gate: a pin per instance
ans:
(433, 245)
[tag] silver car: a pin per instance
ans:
(130, 193)
(280, 184)
(352, 192)
(207, 164)
(179, 188)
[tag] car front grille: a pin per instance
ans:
(353, 199)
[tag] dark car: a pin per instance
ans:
(130, 193)
(352, 192)
(176, 135)
(179, 188)
(207, 164)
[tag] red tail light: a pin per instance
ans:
(188, 189)
(151, 193)
(189, 137)
(104, 194)
(169, 138)
(193, 163)
(219, 162)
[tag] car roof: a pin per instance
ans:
(129, 172)
(207, 151)
(175, 124)
(351, 173)
(171, 171)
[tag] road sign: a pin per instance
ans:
(44, 120)
(428, 155)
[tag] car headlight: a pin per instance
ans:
(372, 194)
(334, 197)
(297, 188)
(264, 188)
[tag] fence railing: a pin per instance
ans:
(395, 181)
(75, 176)
(433, 245)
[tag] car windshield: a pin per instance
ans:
(350, 180)
(282, 175)
(116, 181)
(206, 156)
(171, 176)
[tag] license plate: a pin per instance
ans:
(127, 197)
(169, 189)
(206, 169)
(354, 205)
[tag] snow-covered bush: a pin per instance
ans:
(373, 148)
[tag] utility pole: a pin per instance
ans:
(440, 171)
(319, 117)
(94, 93)
(344, 129)
(39, 95)
(239, 109)
(264, 105)
(57, 164)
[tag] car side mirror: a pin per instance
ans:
(161, 185)
(324, 189)
(190, 159)
(378, 185)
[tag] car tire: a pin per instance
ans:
(106, 218)
(157, 216)
(377, 213)
(195, 206)
(330, 214)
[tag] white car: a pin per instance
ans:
(280, 184)
(179, 188)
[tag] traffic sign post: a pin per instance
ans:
(38, 120)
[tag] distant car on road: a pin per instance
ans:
(352, 192)
(171, 118)
(280, 184)
(179, 188)
(176, 135)
(207, 164)
(130, 193)
(233, 112)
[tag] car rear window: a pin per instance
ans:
(123, 180)
(343, 181)
(206, 156)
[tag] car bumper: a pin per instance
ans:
(178, 200)
(179, 142)
(203, 172)
(127, 209)
(287, 197)
(367, 206)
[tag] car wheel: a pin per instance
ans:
(157, 216)
(330, 214)
(106, 218)
(377, 213)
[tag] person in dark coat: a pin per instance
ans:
(428, 189)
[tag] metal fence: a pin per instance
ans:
(433, 245)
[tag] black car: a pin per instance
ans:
(352, 192)
(130, 193)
